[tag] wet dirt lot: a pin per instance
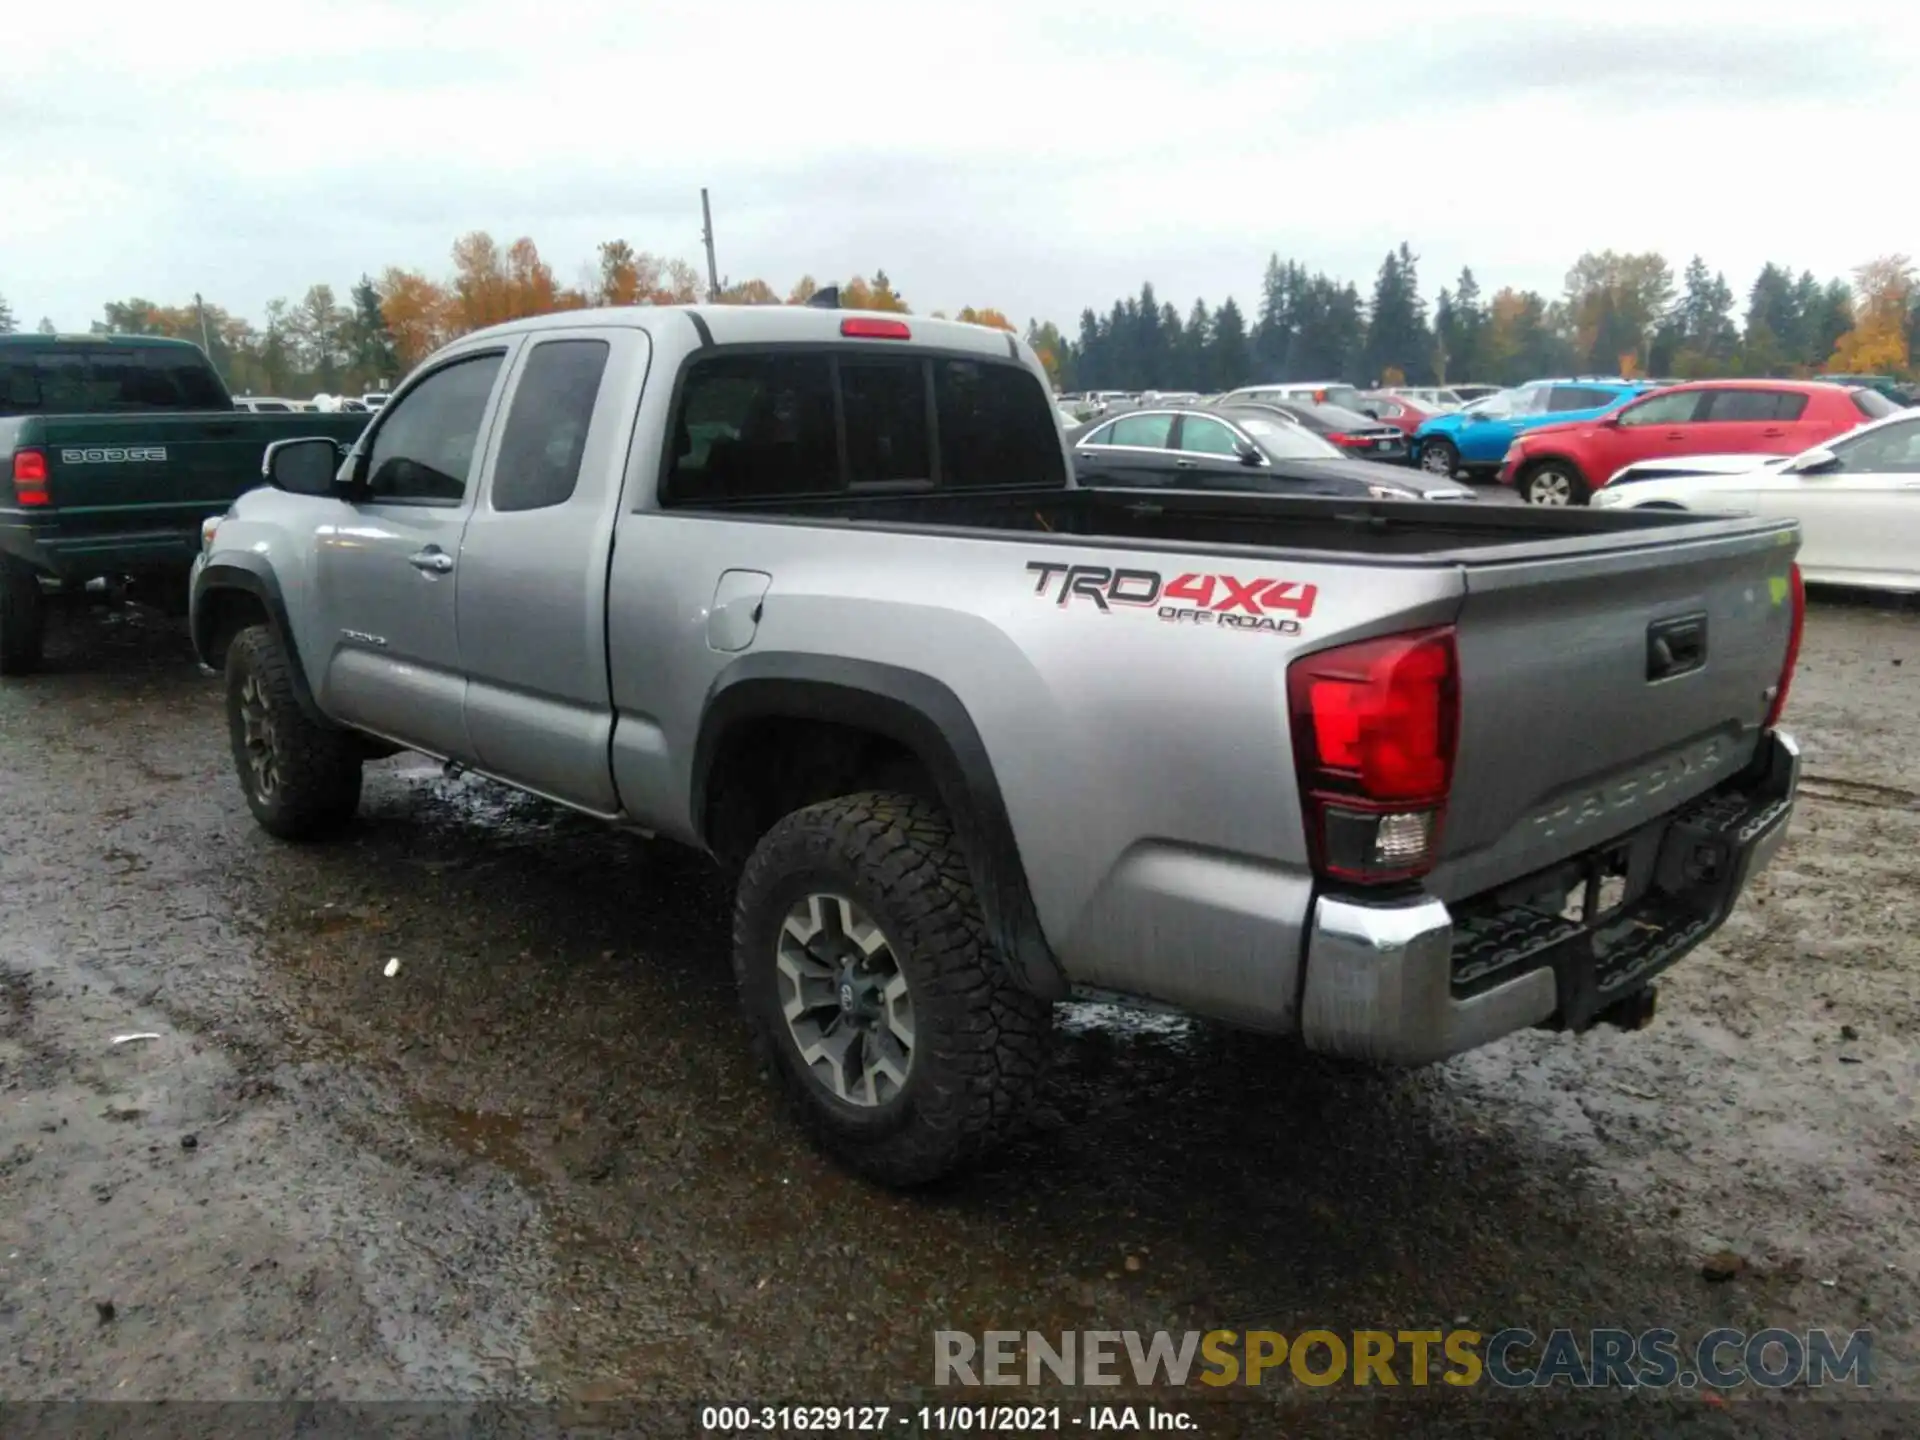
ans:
(537, 1163)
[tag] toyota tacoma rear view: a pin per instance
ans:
(814, 591)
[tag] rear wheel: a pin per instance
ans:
(1553, 482)
(1439, 457)
(300, 775)
(873, 994)
(23, 618)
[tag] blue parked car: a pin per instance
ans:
(1475, 439)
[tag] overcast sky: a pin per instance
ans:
(1033, 156)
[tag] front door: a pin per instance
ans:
(387, 572)
(1656, 428)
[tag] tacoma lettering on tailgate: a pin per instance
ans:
(1221, 601)
(1625, 792)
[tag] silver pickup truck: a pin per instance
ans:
(813, 591)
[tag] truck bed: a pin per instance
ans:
(1385, 531)
(1568, 738)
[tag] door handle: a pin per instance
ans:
(1186, 465)
(432, 560)
(1676, 434)
(1774, 433)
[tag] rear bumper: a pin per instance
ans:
(1412, 981)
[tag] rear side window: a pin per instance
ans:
(1752, 405)
(1872, 404)
(81, 380)
(546, 433)
(995, 428)
(1146, 431)
(794, 424)
(1578, 397)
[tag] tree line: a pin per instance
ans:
(1618, 314)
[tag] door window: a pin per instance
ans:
(1146, 431)
(546, 434)
(1675, 408)
(1749, 406)
(1202, 436)
(424, 450)
(1890, 449)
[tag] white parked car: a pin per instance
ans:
(1857, 499)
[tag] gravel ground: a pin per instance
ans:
(536, 1162)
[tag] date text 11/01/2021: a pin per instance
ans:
(942, 1419)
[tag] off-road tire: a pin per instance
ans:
(980, 1040)
(317, 767)
(23, 619)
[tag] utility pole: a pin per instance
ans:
(706, 235)
(206, 340)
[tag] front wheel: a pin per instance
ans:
(873, 994)
(23, 618)
(1553, 482)
(300, 775)
(1439, 457)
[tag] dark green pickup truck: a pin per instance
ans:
(113, 449)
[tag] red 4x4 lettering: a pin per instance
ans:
(1253, 597)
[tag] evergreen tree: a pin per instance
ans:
(371, 355)
(1470, 325)
(1197, 341)
(7, 325)
(1231, 356)
(1397, 335)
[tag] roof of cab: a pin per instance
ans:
(769, 324)
(132, 341)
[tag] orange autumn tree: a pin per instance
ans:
(989, 317)
(875, 294)
(418, 312)
(1877, 343)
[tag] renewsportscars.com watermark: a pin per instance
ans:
(1510, 1359)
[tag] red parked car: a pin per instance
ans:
(1397, 410)
(1564, 464)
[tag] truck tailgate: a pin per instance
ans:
(142, 471)
(1600, 690)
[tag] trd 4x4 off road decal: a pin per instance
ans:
(1276, 606)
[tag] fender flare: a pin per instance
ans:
(256, 578)
(926, 717)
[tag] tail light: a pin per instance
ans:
(1348, 440)
(30, 477)
(1795, 627)
(1374, 728)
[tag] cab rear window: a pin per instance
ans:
(797, 423)
(83, 380)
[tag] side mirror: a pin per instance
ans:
(301, 467)
(1814, 462)
(1247, 453)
